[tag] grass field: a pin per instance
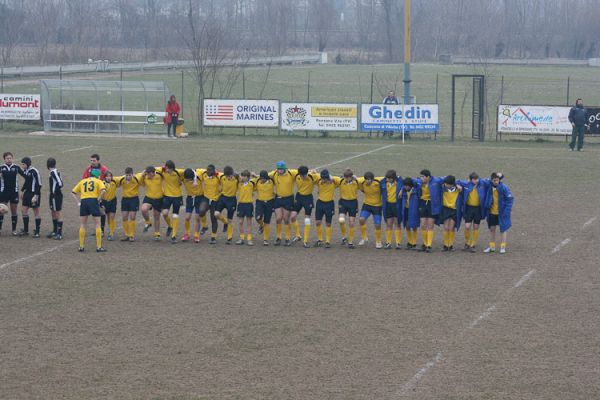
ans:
(352, 84)
(153, 320)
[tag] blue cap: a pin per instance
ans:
(281, 165)
(325, 174)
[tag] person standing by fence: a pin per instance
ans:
(172, 112)
(390, 99)
(578, 117)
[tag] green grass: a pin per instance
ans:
(352, 84)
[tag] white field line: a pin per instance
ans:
(412, 382)
(39, 253)
(482, 316)
(355, 156)
(77, 149)
(589, 222)
(561, 245)
(37, 155)
(524, 279)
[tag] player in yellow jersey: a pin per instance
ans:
(195, 199)
(473, 196)
(90, 192)
(109, 204)
(305, 183)
(265, 201)
(130, 202)
(409, 207)
(227, 201)
(498, 208)
(451, 211)
(390, 190)
(245, 208)
(153, 183)
(325, 206)
(284, 179)
(212, 190)
(430, 205)
(348, 206)
(172, 197)
(371, 187)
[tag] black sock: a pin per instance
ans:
(14, 219)
(25, 223)
(103, 222)
(1, 221)
(59, 227)
(54, 226)
(38, 223)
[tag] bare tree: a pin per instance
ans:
(11, 21)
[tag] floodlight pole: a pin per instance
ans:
(407, 51)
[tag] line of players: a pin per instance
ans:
(405, 203)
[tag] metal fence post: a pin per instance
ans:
(372, 79)
(244, 93)
(437, 76)
(502, 90)
(2, 91)
(568, 88)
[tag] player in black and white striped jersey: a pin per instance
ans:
(56, 199)
(30, 194)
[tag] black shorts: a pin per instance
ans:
(493, 220)
(473, 214)
(245, 210)
(192, 204)
(325, 208)
(304, 201)
(28, 200)
(175, 202)
(156, 204)
(425, 209)
(391, 210)
(110, 206)
(229, 203)
(130, 204)
(56, 201)
(9, 197)
(89, 207)
(286, 203)
(264, 210)
(348, 207)
(405, 211)
(447, 213)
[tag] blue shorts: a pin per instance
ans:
(245, 210)
(391, 210)
(110, 206)
(264, 210)
(348, 207)
(191, 205)
(89, 207)
(130, 204)
(155, 203)
(326, 209)
(286, 203)
(175, 202)
(304, 201)
(229, 203)
(368, 210)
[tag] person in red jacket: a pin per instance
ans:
(172, 111)
(95, 164)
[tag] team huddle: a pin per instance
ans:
(402, 204)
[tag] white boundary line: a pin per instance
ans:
(589, 222)
(76, 149)
(39, 253)
(356, 156)
(482, 316)
(524, 279)
(412, 382)
(561, 245)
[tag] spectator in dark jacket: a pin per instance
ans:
(578, 117)
(172, 111)
(390, 99)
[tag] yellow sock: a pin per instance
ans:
(503, 245)
(320, 232)
(132, 228)
(261, 223)
(363, 232)
(196, 235)
(425, 236)
(229, 231)
(249, 236)
(351, 234)
(213, 235)
(187, 226)
(306, 233)
(296, 228)
(168, 221)
(328, 234)
(414, 237)
(468, 237)
(430, 238)
(452, 238)
(288, 231)
(204, 221)
(175, 223)
(126, 227)
(148, 222)
(156, 234)
(398, 236)
(81, 237)
(378, 235)
(98, 238)
(343, 228)
(492, 245)
(474, 237)
(446, 238)
(112, 226)
(278, 231)
(242, 236)
(266, 230)
(388, 236)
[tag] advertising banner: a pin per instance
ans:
(319, 116)
(398, 117)
(241, 113)
(20, 106)
(523, 119)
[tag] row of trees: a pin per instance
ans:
(64, 31)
